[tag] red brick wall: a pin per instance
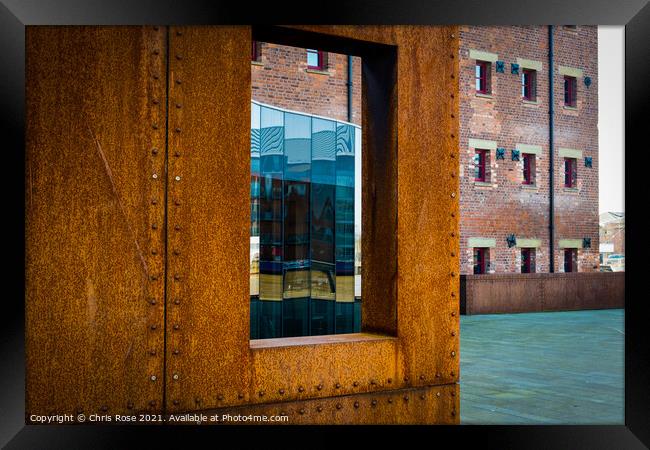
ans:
(507, 207)
(283, 80)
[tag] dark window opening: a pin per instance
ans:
(529, 85)
(481, 255)
(529, 169)
(570, 91)
(527, 260)
(570, 260)
(570, 172)
(480, 165)
(256, 52)
(316, 59)
(482, 77)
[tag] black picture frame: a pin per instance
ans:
(16, 14)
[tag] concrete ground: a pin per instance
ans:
(543, 368)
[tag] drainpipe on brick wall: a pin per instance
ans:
(551, 114)
(349, 88)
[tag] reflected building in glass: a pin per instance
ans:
(305, 224)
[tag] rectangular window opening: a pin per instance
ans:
(481, 260)
(570, 172)
(570, 91)
(527, 260)
(482, 77)
(305, 233)
(570, 260)
(529, 85)
(481, 165)
(528, 161)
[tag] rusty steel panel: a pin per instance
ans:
(513, 293)
(414, 303)
(94, 219)
(208, 217)
(422, 405)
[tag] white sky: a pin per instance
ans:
(611, 118)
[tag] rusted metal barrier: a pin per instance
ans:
(514, 293)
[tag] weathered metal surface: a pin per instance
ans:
(94, 219)
(424, 405)
(513, 293)
(209, 148)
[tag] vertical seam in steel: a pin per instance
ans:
(166, 222)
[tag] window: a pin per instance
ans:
(480, 165)
(529, 85)
(483, 77)
(529, 169)
(256, 53)
(527, 260)
(570, 90)
(481, 255)
(570, 172)
(570, 260)
(315, 59)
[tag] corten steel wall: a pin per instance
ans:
(516, 293)
(505, 206)
(134, 277)
(282, 79)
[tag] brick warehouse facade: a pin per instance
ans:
(501, 121)
(497, 121)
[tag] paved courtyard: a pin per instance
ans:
(543, 368)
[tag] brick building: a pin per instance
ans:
(504, 137)
(504, 149)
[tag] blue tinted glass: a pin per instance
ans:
(312, 58)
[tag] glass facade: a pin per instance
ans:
(305, 224)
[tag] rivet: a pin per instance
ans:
(453, 394)
(240, 395)
(176, 327)
(154, 252)
(178, 129)
(178, 81)
(453, 353)
(390, 400)
(453, 374)
(373, 403)
(356, 404)
(175, 376)
(339, 406)
(104, 408)
(179, 105)
(176, 402)
(154, 226)
(453, 175)
(177, 202)
(177, 301)
(453, 313)
(453, 333)
(261, 393)
(437, 394)
(177, 153)
(453, 254)
(179, 33)
(177, 277)
(355, 384)
(177, 178)
(153, 327)
(152, 301)
(155, 76)
(421, 377)
(453, 214)
(453, 413)
(453, 234)
(373, 382)
(453, 195)
(319, 408)
(155, 101)
(337, 385)
(155, 176)
(179, 57)
(452, 155)
(437, 374)
(177, 252)
(154, 151)
(154, 201)
(406, 379)
(301, 389)
(389, 381)
(197, 400)
(453, 294)
(452, 95)
(177, 227)
(452, 135)
(451, 56)
(302, 411)
(129, 405)
(422, 397)
(453, 274)
(153, 378)
(453, 76)
(283, 413)
(319, 387)
(152, 403)
(155, 28)
(156, 51)
(453, 36)
(152, 352)
(452, 116)
(155, 126)
(281, 391)
(406, 398)
(176, 351)
(153, 277)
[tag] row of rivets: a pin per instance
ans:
(453, 214)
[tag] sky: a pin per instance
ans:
(611, 118)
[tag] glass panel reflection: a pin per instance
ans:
(305, 224)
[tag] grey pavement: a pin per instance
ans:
(543, 368)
